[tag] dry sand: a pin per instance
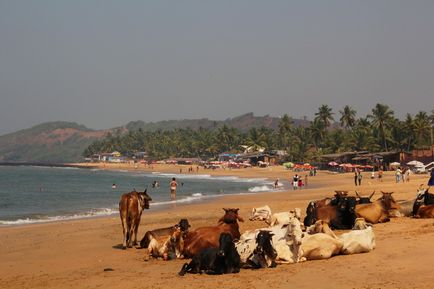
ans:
(74, 254)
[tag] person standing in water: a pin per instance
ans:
(173, 184)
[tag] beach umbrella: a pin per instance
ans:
(333, 164)
(415, 163)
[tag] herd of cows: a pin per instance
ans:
(223, 249)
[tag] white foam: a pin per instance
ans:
(90, 214)
(264, 188)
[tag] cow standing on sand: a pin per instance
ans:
(131, 206)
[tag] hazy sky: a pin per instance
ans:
(104, 63)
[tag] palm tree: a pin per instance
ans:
(422, 127)
(348, 117)
(317, 132)
(285, 127)
(381, 117)
(324, 115)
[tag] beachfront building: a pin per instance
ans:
(365, 158)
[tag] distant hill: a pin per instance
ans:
(48, 142)
(243, 122)
(59, 141)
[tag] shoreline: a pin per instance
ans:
(160, 206)
(74, 254)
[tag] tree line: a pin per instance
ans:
(327, 133)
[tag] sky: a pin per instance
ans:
(105, 63)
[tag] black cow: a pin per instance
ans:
(264, 254)
(222, 260)
(423, 199)
(340, 214)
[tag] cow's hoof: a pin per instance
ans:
(124, 247)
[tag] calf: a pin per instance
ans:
(221, 260)
(131, 206)
(170, 248)
(159, 235)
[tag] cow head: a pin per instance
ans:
(184, 225)
(225, 244)
(388, 201)
(231, 216)
(294, 229)
(310, 214)
(264, 244)
(144, 199)
(347, 204)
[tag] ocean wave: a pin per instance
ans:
(208, 177)
(264, 188)
(48, 219)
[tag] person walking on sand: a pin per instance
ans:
(295, 182)
(398, 174)
(173, 184)
(359, 178)
(276, 184)
(355, 177)
(380, 175)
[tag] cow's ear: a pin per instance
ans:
(226, 210)
(236, 210)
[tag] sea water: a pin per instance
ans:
(31, 194)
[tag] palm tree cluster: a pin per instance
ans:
(378, 131)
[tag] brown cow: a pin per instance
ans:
(205, 237)
(378, 211)
(131, 206)
(425, 211)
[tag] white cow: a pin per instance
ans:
(358, 241)
(264, 214)
(286, 241)
(320, 246)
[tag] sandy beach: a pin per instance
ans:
(74, 254)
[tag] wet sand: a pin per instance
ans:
(74, 254)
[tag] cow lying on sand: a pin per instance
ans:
(205, 237)
(339, 211)
(131, 206)
(360, 240)
(286, 240)
(221, 260)
(154, 240)
(378, 211)
(167, 243)
(264, 214)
